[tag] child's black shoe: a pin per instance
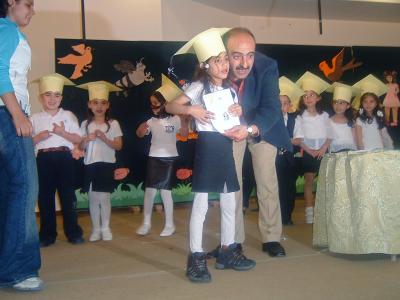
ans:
(233, 258)
(196, 269)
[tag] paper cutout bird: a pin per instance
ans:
(81, 61)
(335, 72)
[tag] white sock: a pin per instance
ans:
(199, 211)
(149, 194)
(105, 210)
(228, 206)
(168, 202)
(94, 209)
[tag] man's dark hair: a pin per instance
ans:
(235, 31)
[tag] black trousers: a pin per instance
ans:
(56, 173)
(287, 171)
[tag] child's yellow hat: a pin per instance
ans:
(168, 89)
(99, 89)
(206, 44)
(290, 89)
(371, 84)
(342, 91)
(310, 82)
(53, 83)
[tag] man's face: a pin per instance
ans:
(241, 48)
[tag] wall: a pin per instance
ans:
(177, 20)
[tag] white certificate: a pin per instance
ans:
(219, 103)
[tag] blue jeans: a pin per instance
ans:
(19, 242)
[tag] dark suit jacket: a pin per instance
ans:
(261, 105)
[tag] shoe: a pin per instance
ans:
(274, 249)
(30, 284)
(214, 253)
(233, 258)
(106, 234)
(196, 269)
(46, 243)
(288, 223)
(309, 212)
(168, 230)
(95, 236)
(144, 229)
(77, 241)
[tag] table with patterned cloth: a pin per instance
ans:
(357, 206)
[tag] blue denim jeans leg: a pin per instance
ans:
(19, 242)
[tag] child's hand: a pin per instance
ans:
(200, 114)
(59, 129)
(101, 135)
(77, 153)
(43, 135)
(235, 110)
(90, 137)
(142, 129)
(120, 173)
(321, 152)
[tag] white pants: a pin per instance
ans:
(199, 211)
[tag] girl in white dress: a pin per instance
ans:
(342, 122)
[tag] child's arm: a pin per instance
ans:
(85, 141)
(41, 136)
(310, 151)
(142, 130)
(320, 153)
(359, 141)
(71, 137)
(180, 107)
(184, 130)
(115, 144)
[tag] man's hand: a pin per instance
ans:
(237, 133)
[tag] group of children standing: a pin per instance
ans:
(315, 133)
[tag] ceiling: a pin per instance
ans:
(357, 10)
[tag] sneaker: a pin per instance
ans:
(168, 230)
(77, 241)
(144, 229)
(95, 236)
(214, 253)
(196, 269)
(233, 258)
(106, 234)
(30, 284)
(309, 215)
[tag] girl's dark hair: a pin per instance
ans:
(4, 8)
(90, 117)
(303, 107)
(160, 98)
(367, 119)
(349, 115)
(390, 73)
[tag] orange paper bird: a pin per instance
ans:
(81, 61)
(335, 72)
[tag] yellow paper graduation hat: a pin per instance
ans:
(206, 44)
(290, 89)
(310, 82)
(99, 89)
(371, 84)
(52, 83)
(168, 89)
(342, 91)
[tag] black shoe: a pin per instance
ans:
(287, 223)
(233, 258)
(46, 243)
(213, 253)
(77, 241)
(196, 269)
(274, 249)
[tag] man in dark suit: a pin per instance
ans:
(255, 79)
